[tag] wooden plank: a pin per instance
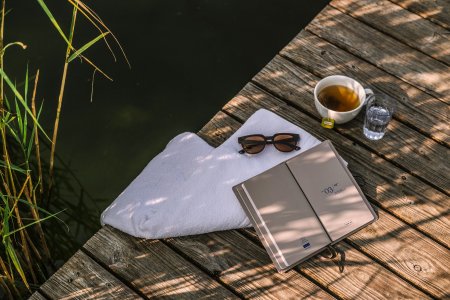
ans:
(83, 278)
(377, 283)
(383, 51)
(215, 132)
(393, 189)
(437, 11)
(152, 267)
(383, 246)
(245, 267)
(366, 279)
(218, 129)
(37, 296)
(282, 78)
(407, 253)
(402, 145)
(400, 23)
(415, 107)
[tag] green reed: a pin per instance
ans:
(25, 183)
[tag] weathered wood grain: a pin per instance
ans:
(435, 280)
(366, 279)
(82, 278)
(400, 23)
(37, 296)
(408, 198)
(414, 107)
(406, 252)
(245, 267)
(378, 282)
(218, 129)
(153, 268)
(383, 51)
(437, 11)
(392, 188)
(402, 145)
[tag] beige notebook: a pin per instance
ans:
(303, 205)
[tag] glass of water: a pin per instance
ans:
(379, 111)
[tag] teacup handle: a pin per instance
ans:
(369, 95)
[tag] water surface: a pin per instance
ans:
(188, 59)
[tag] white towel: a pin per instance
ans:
(187, 188)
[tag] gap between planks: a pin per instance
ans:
(82, 277)
(416, 109)
(342, 30)
(390, 227)
(151, 267)
(400, 24)
(402, 146)
(428, 9)
(318, 274)
(429, 218)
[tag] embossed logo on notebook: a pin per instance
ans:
(306, 244)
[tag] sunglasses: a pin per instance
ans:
(255, 143)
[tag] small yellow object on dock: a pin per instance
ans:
(327, 123)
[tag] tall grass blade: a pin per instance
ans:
(30, 224)
(13, 132)
(19, 96)
(30, 145)
(2, 36)
(86, 46)
(91, 12)
(18, 114)
(9, 249)
(25, 117)
(95, 25)
(44, 211)
(97, 68)
(15, 260)
(12, 167)
(53, 20)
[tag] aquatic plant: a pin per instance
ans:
(25, 178)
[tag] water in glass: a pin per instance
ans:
(377, 120)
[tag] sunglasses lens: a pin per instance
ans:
(285, 142)
(253, 144)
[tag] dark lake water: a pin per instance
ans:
(188, 59)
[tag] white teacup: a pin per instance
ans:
(337, 116)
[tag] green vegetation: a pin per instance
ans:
(26, 178)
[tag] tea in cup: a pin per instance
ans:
(339, 99)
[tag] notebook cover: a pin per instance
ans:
(331, 190)
(304, 204)
(283, 217)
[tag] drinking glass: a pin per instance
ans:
(379, 111)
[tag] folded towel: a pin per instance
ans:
(187, 188)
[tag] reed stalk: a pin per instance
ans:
(2, 31)
(23, 182)
(36, 137)
(61, 95)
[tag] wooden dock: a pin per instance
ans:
(398, 47)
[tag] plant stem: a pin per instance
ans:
(6, 289)
(31, 197)
(8, 275)
(36, 136)
(2, 27)
(60, 99)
